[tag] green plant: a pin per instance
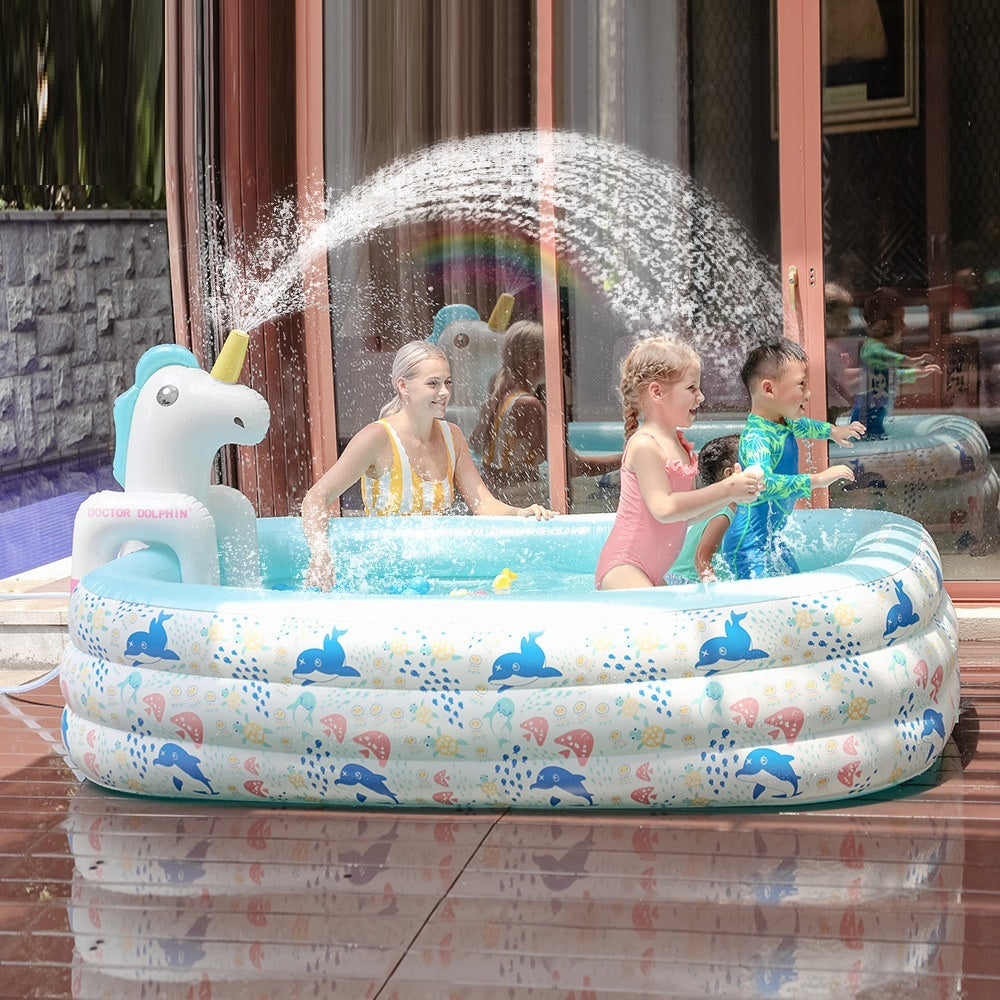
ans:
(81, 104)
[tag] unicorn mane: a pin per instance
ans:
(152, 361)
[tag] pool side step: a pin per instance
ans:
(33, 624)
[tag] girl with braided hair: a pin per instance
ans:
(661, 392)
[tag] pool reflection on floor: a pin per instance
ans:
(305, 903)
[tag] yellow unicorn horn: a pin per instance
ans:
(500, 317)
(229, 363)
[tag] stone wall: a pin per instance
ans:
(84, 294)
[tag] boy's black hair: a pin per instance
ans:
(767, 360)
(881, 306)
(715, 456)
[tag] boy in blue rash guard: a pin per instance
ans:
(776, 377)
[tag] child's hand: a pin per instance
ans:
(746, 485)
(821, 480)
(846, 434)
(320, 572)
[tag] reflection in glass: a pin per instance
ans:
(696, 105)
(510, 433)
(660, 201)
(907, 208)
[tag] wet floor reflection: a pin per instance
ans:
(234, 902)
(169, 900)
(703, 908)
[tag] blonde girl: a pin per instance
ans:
(661, 392)
(410, 461)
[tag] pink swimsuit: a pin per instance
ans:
(637, 538)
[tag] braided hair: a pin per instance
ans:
(654, 358)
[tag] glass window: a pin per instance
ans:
(418, 95)
(672, 104)
(912, 264)
(664, 196)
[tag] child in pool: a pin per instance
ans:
(883, 369)
(717, 460)
(776, 377)
(511, 433)
(410, 461)
(661, 384)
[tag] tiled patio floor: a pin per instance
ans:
(107, 896)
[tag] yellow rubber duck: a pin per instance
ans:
(503, 580)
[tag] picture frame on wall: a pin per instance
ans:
(871, 65)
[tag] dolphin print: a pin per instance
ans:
(358, 774)
(561, 780)
(901, 614)
(172, 755)
(736, 645)
(528, 664)
(329, 660)
(151, 646)
(771, 771)
(933, 732)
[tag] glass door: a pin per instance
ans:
(671, 102)
(911, 254)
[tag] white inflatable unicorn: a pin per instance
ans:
(473, 348)
(168, 428)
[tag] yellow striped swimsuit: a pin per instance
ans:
(399, 490)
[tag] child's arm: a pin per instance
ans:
(846, 434)
(755, 451)
(842, 434)
(821, 480)
(919, 367)
(646, 461)
(911, 367)
(708, 545)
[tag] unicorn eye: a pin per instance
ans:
(167, 395)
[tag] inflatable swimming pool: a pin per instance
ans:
(934, 468)
(418, 685)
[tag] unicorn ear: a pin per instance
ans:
(123, 409)
(152, 361)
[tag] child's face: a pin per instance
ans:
(790, 390)
(681, 399)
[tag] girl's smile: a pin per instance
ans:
(682, 398)
(430, 387)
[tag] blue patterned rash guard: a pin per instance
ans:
(751, 546)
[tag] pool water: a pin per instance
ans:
(414, 582)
